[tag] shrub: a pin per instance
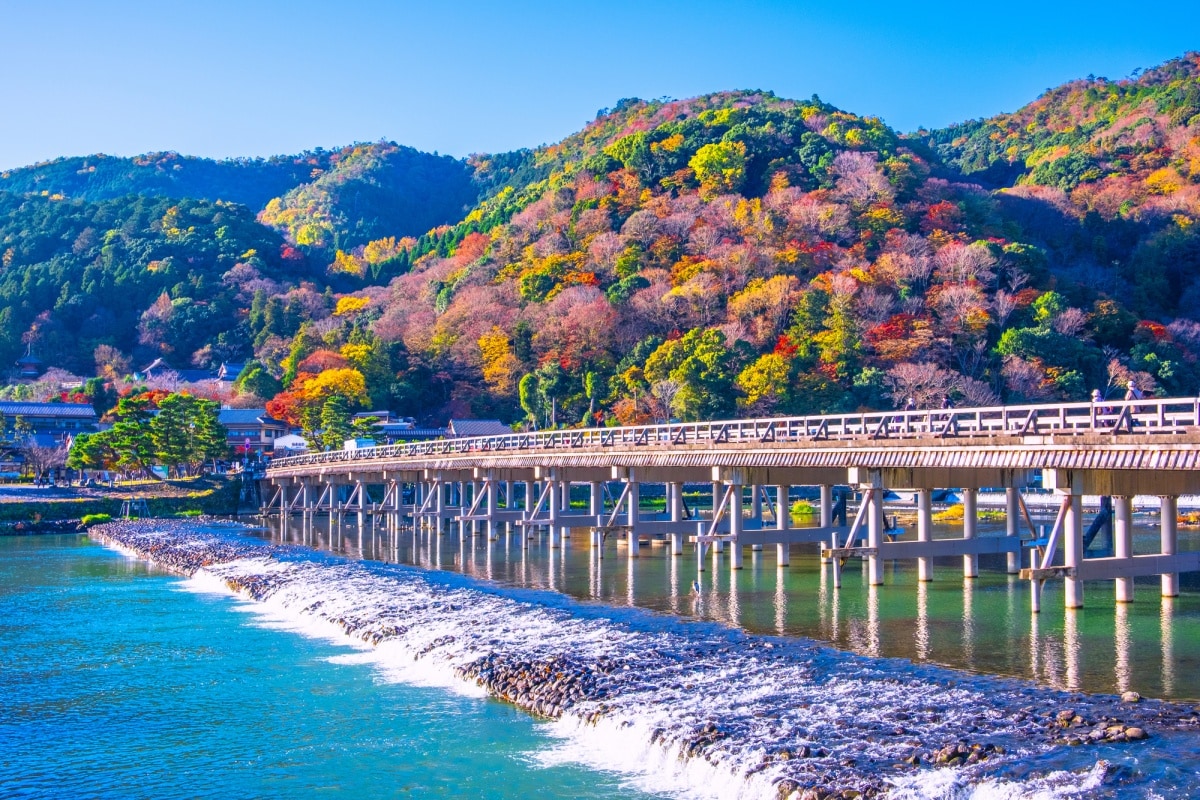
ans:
(803, 508)
(89, 520)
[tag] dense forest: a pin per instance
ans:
(736, 253)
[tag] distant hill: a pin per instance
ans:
(1115, 145)
(250, 182)
(368, 191)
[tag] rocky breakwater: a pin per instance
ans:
(781, 718)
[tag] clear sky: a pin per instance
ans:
(249, 77)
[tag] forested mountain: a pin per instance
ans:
(251, 182)
(728, 254)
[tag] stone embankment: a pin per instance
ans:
(803, 720)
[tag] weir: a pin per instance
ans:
(726, 486)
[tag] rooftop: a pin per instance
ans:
(72, 410)
(478, 427)
(246, 416)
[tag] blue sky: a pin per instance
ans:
(222, 78)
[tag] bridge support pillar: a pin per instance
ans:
(462, 507)
(675, 506)
(1169, 535)
(970, 501)
(553, 501)
(1073, 549)
(635, 500)
(874, 497)
(756, 511)
(735, 526)
(595, 510)
(360, 489)
(827, 512)
(717, 489)
(1123, 542)
(782, 520)
(924, 531)
(1012, 525)
(491, 509)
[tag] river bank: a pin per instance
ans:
(743, 715)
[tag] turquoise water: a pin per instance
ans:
(117, 681)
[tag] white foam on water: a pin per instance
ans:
(665, 686)
(945, 784)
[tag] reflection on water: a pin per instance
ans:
(982, 624)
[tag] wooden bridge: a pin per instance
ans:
(522, 482)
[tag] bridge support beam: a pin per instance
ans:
(873, 496)
(675, 505)
(970, 502)
(1169, 537)
(595, 509)
(827, 512)
(782, 519)
(1073, 550)
(1012, 524)
(635, 500)
(554, 502)
(924, 531)
(736, 523)
(1123, 543)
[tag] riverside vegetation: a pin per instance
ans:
(735, 253)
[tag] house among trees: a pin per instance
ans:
(56, 420)
(251, 428)
(227, 373)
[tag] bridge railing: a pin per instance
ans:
(1117, 417)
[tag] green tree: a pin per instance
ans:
(720, 167)
(700, 363)
(335, 422)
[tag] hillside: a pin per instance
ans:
(150, 276)
(736, 253)
(1121, 156)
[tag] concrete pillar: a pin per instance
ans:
(756, 506)
(970, 501)
(1169, 529)
(827, 514)
(491, 510)
(717, 490)
(1072, 539)
(1123, 542)
(782, 519)
(735, 526)
(553, 501)
(462, 507)
(924, 531)
(1012, 525)
(529, 498)
(361, 488)
(826, 505)
(439, 506)
(874, 497)
(635, 499)
(675, 506)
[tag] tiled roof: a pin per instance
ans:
(478, 427)
(246, 416)
(72, 410)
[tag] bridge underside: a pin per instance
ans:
(527, 491)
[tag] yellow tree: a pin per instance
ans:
(499, 364)
(720, 167)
